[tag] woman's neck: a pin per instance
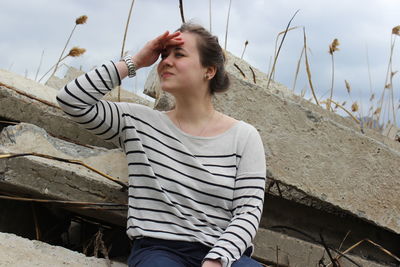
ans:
(193, 110)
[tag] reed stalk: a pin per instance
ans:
(244, 49)
(124, 40)
(227, 24)
(279, 49)
(308, 67)
(40, 64)
(395, 32)
(74, 52)
(297, 69)
(181, 10)
(332, 48)
(276, 42)
(78, 21)
(209, 12)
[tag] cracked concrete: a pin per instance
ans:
(319, 158)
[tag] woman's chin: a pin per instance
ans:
(168, 89)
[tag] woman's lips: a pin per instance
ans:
(166, 74)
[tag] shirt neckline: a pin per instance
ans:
(168, 120)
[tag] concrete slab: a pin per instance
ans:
(274, 247)
(52, 179)
(319, 158)
(25, 100)
(22, 252)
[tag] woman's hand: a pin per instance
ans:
(211, 263)
(149, 54)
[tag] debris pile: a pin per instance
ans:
(331, 196)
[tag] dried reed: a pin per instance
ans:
(40, 64)
(123, 42)
(344, 109)
(333, 47)
(35, 220)
(279, 49)
(297, 69)
(74, 52)
(181, 10)
(79, 21)
(209, 13)
(244, 49)
(241, 72)
(227, 24)
(389, 76)
(387, 252)
(308, 67)
(254, 75)
(327, 247)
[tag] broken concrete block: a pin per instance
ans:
(57, 83)
(22, 252)
(274, 247)
(24, 100)
(319, 158)
(53, 179)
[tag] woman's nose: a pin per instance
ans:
(167, 60)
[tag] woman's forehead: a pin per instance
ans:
(190, 41)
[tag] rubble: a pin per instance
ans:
(24, 100)
(52, 179)
(35, 253)
(325, 171)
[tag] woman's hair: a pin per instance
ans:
(211, 54)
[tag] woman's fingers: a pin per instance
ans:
(167, 39)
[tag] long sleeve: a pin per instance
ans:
(80, 99)
(247, 204)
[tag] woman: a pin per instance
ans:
(196, 176)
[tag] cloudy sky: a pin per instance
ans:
(363, 27)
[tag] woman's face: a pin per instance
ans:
(180, 70)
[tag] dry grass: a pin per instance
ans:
(227, 24)
(181, 11)
(244, 49)
(124, 40)
(276, 54)
(333, 47)
(79, 21)
(308, 69)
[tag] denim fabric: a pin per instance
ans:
(151, 252)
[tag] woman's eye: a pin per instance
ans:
(178, 55)
(163, 56)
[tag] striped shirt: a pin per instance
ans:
(181, 187)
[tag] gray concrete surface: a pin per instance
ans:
(18, 103)
(52, 179)
(319, 158)
(274, 247)
(16, 251)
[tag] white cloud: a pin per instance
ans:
(28, 27)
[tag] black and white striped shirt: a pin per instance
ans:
(181, 187)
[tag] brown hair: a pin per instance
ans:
(211, 54)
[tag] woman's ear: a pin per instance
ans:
(210, 72)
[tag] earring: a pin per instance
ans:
(206, 76)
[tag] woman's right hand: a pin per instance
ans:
(149, 54)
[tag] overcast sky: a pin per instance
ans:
(363, 28)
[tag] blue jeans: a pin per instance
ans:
(151, 252)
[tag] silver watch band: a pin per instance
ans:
(131, 66)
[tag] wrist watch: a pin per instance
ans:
(131, 66)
